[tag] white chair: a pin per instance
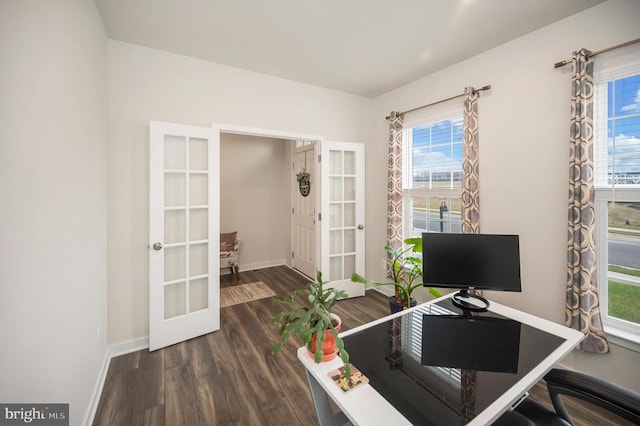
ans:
(229, 258)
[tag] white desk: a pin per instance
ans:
(365, 406)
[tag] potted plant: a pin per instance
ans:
(313, 322)
(406, 269)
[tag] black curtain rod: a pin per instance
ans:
(591, 55)
(487, 87)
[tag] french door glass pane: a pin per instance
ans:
(335, 215)
(349, 214)
(175, 193)
(335, 243)
(335, 190)
(335, 162)
(349, 189)
(174, 300)
(175, 150)
(174, 226)
(198, 154)
(174, 263)
(335, 264)
(349, 163)
(198, 262)
(198, 296)
(349, 266)
(349, 240)
(198, 227)
(198, 188)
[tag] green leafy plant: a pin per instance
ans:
(406, 268)
(314, 318)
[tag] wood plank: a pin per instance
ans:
(175, 355)
(201, 358)
(150, 372)
(180, 399)
(154, 416)
(115, 406)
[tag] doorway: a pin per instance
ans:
(254, 198)
(257, 178)
(339, 238)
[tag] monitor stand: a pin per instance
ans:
(461, 300)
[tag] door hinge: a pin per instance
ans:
(292, 210)
(319, 216)
(319, 158)
(292, 255)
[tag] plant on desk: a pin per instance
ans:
(313, 323)
(405, 268)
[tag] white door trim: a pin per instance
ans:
(265, 133)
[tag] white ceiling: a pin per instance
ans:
(365, 47)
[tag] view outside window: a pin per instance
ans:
(433, 177)
(624, 261)
(617, 165)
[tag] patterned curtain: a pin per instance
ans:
(470, 164)
(582, 304)
(470, 219)
(394, 185)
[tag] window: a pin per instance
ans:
(617, 195)
(301, 143)
(432, 171)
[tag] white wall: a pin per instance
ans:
(53, 202)
(523, 155)
(254, 191)
(146, 84)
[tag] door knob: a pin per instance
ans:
(157, 246)
(360, 226)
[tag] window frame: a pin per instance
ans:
(452, 110)
(628, 333)
(621, 332)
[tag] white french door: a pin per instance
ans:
(304, 213)
(342, 221)
(184, 281)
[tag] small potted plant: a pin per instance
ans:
(313, 322)
(406, 269)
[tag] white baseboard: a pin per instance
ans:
(97, 390)
(128, 346)
(256, 265)
(111, 352)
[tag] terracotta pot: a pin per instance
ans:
(397, 307)
(329, 349)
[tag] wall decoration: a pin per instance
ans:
(304, 182)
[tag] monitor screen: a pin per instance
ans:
(462, 261)
(471, 343)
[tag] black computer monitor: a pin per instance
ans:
(471, 261)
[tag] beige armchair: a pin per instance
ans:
(229, 253)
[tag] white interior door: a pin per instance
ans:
(304, 212)
(342, 195)
(184, 281)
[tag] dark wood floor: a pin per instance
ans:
(230, 377)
